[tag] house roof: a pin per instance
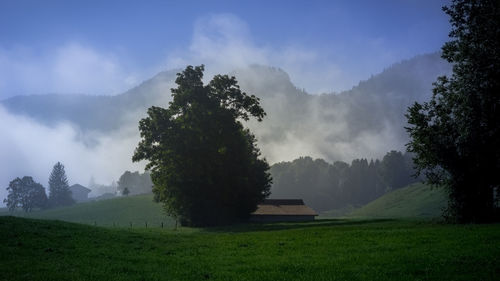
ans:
(283, 207)
(80, 187)
(282, 202)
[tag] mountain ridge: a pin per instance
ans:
(334, 126)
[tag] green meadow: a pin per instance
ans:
(416, 200)
(413, 201)
(396, 237)
(135, 211)
(342, 249)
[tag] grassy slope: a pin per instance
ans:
(118, 211)
(323, 250)
(417, 200)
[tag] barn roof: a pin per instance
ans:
(284, 207)
(79, 187)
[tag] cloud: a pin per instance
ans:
(70, 68)
(31, 149)
(224, 42)
(309, 128)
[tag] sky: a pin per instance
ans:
(107, 47)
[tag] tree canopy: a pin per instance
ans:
(60, 194)
(25, 193)
(205, 166)
(456, 135)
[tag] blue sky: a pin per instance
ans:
(106, 47)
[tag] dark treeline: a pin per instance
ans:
(326, 186)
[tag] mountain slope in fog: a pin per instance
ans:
(98, 113)
(366, 121)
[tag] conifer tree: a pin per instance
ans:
(60, 195)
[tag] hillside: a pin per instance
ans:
(99, 113)
(122, 211)
(326, 250)
(363, 122)
(417, 200)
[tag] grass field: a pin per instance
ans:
(416, 200)
(123, 211)
(322, 250)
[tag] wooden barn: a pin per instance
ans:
(273, 210)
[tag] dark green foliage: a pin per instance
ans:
(125, 191)
(26, 194)
(60, 194)
(135, 183)
(324, 250)
(325, 186)
(456, 135)
(397, 169)
(204, 165)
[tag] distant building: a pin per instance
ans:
(273, 210)
(79, 192)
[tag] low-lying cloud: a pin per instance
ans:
(31, 149)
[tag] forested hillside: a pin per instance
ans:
(325, 186)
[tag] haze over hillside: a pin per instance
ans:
(94, 136)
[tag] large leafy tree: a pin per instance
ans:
(60, 194)
(26, 194)
(204, 164)
(456, 135)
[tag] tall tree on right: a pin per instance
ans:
(456, 135)
(60, 194)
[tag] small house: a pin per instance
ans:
(79, 192)
(273, 210)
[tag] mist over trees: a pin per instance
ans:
(365, 121)
(326, 186)
(134, 183)
(26, 194)
(59, 192)
(205, 166)
(456, 135)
